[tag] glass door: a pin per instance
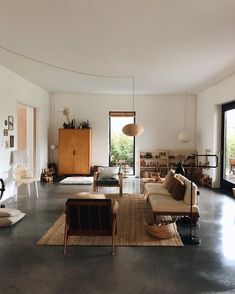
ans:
(121, 147)
(228, 147)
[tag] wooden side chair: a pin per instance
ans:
(108, 177)
(90, 217)
(22, 176)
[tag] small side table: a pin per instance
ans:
(150, 180)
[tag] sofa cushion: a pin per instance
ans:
(178, 189)
(168, 177)
(171, 183)
(155, 188)
(163, 203)
(108, 172)
(187, 194)
(8, 212)
(107, 182)
(11, 220)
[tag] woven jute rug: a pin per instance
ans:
(133, 210)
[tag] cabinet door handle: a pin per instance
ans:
(74, 152)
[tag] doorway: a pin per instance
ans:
(121, 147)
(228, 147)
(26, 134)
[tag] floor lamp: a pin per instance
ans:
(191, 239)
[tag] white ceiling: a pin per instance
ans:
(170, 46)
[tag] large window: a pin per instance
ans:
(121, 147)
(228, 146)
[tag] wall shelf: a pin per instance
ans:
(160, 161)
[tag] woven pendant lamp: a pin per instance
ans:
(133, 130)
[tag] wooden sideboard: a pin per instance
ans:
(74, 151)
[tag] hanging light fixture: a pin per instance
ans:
(133, 129)
(185, 136)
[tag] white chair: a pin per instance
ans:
(22, 176)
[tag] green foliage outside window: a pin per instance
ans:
(121, 149)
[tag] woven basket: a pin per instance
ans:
(164, 230)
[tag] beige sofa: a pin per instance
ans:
(173, 198)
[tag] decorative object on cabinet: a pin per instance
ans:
(69, 124)
(84, 125)
(74, 151)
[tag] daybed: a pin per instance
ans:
(173, 196)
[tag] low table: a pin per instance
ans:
(150, 180)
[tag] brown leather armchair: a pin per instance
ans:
(108, 177)
(90, 217)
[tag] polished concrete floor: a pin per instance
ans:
(205, 268)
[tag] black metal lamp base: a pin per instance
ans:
(185, 220)
(190, 240)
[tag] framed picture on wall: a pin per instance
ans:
(11, 141)
(10, 123)
(5, 132)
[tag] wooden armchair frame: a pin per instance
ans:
(89, 217)
(107, 183)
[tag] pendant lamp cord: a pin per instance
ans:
(185, 102)
(64, 68)
(133, 93)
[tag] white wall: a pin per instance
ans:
(161, 115)
(15, 89)
(209, 119)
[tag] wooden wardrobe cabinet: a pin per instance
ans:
(74, 151)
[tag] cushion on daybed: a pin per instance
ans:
(178, 189)
(168, 178)
(187, 194)
(155, 188)
(171, 183)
